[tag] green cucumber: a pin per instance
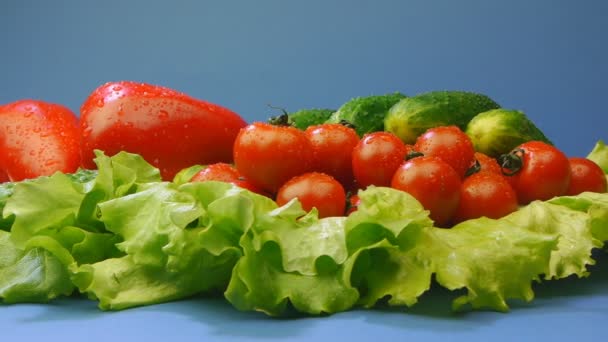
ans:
(498, 131)
(304, 118)
(412, 116)
(366, 113)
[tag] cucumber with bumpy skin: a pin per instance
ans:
(498, 131)
(366, 113)
(412, 116)
(304, 118)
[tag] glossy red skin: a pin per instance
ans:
(485, 193)
(315, 190)
(37, 138)
(333, 146)
(488, 163)
(376, 157)
(586, 175)
(449, 143)
(434, 183)
(224, 172)
(545, 173)
(170, 129)
(269, 155)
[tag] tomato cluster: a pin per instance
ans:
(324, 166)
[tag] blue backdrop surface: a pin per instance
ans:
(548, 58)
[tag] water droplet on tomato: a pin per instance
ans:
(100, 103)
(51, 162)
(163, 114)
(186, 126)
(145, 103)
(117, 88)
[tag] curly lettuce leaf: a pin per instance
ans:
(576, 240)
(599, 154)
(119, 175)
(396, 251)
(6, 191)
(42, 203)
(390, 252)
(178, 241)
(292, 257)
(494, 260)
(31, 275)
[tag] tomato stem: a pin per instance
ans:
(511, 163)
(413, 154)
(473, 169)
(279, 120)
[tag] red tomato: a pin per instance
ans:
(269, 155)
(434, 183)
(3, 177)
(333, 146)
(37, 139)
(538, 171)
(224, 172)
(586, 175)
(487, 163)
(376, 157)
(485, 193)
(171, 130)
(315, 190)
(449, 143)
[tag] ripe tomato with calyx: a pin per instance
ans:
(224, 172)
(376, 157)
(586, 175)
(434, 183)
(315, 190)
(169, 129)
(37, 138)
(450, 144)
(537, 171)
(269, 155)
(485, 193)
(333, 146)
(487, 163)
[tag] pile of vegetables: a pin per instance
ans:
(151, 195)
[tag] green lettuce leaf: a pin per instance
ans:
(6, 191)
(42, 203)
(31, 275)
(178, 241)
(599, 154)
(576, 240)
(494, 260)
(292, 257)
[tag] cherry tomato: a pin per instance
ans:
(537, 171)
(315, 190)
(434, 183)
(449, 143)
(171, 130)
(224, 172)
(586, 175)
(333, 146)
(376, 157)
(485, 193)
(269, 155)
(487, 163)
(37, 138)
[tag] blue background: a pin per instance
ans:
(547, 58)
